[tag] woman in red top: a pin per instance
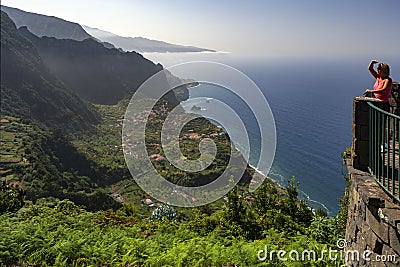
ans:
(383, 83)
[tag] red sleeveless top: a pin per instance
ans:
(384, 96)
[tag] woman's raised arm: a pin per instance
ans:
(371, 68)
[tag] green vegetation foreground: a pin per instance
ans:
(59, 233)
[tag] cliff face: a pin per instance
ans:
(95, 73)
(29, 90)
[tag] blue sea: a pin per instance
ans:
(311, 101)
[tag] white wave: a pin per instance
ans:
(316, 202)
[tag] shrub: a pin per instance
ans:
(164, 211)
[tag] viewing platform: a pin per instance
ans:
(376, 135)
(373, 221)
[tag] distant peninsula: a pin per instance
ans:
(140, 44)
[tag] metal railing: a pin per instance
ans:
(384, 159)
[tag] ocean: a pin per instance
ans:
(311, 101)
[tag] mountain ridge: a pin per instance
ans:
(43, 25)
(51, 26)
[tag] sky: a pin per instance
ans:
(255, 27)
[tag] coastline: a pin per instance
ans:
(314, 204)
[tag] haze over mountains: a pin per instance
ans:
(41, 25)
(30, 90)
(55, 81)
(95, 73)
(140, 44)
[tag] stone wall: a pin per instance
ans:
(359, 149)
(373, 223)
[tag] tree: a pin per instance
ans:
(235, 208)
(299, 210)
(11, 200)
(266, 197)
